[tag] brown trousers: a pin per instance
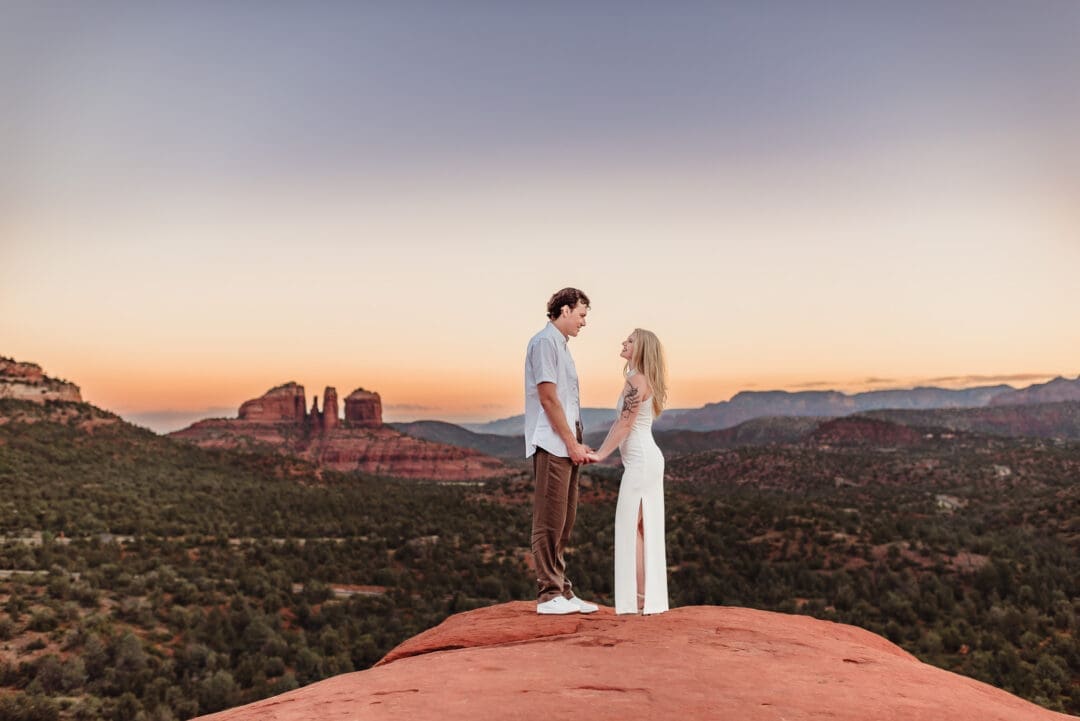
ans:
(554, 510)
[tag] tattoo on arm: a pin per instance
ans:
(631, 401)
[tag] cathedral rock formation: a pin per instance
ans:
(363, 408)
(283, 403)
(330, 420)
(327, 419)
(27, 382)
(359, 441)
(691, 663)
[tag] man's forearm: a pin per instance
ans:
(557, 418)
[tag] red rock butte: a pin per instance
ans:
(281, 403)
(696, 662)
(285, 404)
(27, 382)
(363, 408)
(359, 441)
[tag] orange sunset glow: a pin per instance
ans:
(885, 201)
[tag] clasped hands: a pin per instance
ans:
(582, 454)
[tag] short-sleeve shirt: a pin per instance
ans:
(547, 360)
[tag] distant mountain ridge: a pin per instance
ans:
(1055, 391)
(762, 431)
(1059, 421)
(885, 427)
(492, 444)
(594, 419)
(748, 405)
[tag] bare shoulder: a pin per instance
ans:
(640, 384)
(636, 387)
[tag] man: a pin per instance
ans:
(553, 440)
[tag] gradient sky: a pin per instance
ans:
(201, 200)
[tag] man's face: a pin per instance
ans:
(574, 320)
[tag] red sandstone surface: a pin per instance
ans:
(283, 403)
(696, 662)
(363, 408)
(386, 451)
(359, 442)
(330, 419)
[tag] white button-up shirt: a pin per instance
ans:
(547, 360)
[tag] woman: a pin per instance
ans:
(640, 562)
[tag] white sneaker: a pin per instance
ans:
(583, 606)
(557, 606)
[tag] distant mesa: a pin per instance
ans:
(285, 404)
(358, 441)
(748, 405)
(506, 447)
(363, 408)
(281, 403)
(1055, 391)
(279, 420)
(27, 382)
(1058, 420)
(863, 431)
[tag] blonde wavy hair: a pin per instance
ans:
(648, 359)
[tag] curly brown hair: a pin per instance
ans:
(566, 296)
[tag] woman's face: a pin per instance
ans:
(628, 348)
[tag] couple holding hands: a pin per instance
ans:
(553, 439)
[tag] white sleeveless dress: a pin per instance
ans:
(642, 486)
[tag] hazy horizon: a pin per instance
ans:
(168, 420)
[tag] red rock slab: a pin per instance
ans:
(380, 450)
(281, 403)
(697, 662)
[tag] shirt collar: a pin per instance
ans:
(556, 333)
